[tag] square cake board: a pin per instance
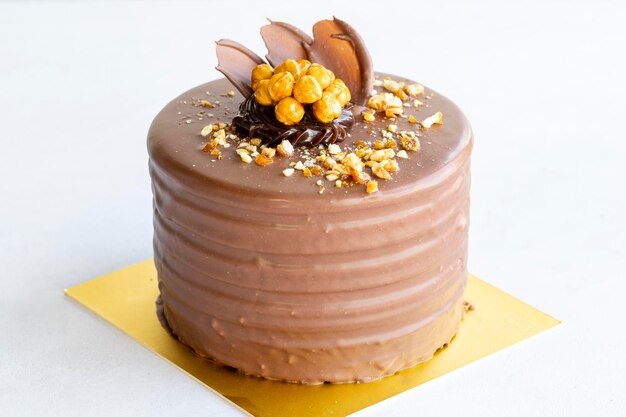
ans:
(126, 299)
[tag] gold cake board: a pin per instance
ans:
(126, 298)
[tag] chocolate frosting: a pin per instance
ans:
(258, 121)
(260, 272)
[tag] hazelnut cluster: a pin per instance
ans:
(293, 84)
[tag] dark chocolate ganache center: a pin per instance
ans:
(256, 121)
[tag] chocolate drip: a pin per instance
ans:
(258, 121)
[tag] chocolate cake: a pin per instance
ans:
(303, 240)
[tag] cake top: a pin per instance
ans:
(314, 120)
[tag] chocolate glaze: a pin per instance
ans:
(258, 121)
(262, 273)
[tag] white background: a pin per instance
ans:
(543, 83)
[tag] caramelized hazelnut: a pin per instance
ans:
(327, 108)
(307, 90)
(281, 85)
(339, 89)
(262, 93)
(261, 72)
(289, 111)
(291, 66)
(323, 76)
(304, 65)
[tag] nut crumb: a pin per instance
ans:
(368, 115)
(288, 172)
(372, 186)
(334, 149)
(245, 157)
(269, 152)
(402, 154)
(262, 160)
(436, 118)
(285, 148)
(414, 89)
(206, 131)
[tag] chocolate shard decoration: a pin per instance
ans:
(336, 45)
(284, 41)
(236, 62)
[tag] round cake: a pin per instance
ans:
(304, 269)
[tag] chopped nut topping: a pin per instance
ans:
(230, 93)
(269, 152)
(436, 118)
(342, 166)
(387, 102)
(401, 95)
(262, 160)
(359, 177)
(390, 165)
(409, 140)
(245, 157)
(285, 148)
(380, 171)
(368, 115)
(206, 131)
(334, 149)
(372, 186)
(207, 104)
(414, 89)
(316, 170)
(392, 86)
(382, 154)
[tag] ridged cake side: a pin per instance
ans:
(311, 288)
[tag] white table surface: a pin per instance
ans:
(543, 83)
